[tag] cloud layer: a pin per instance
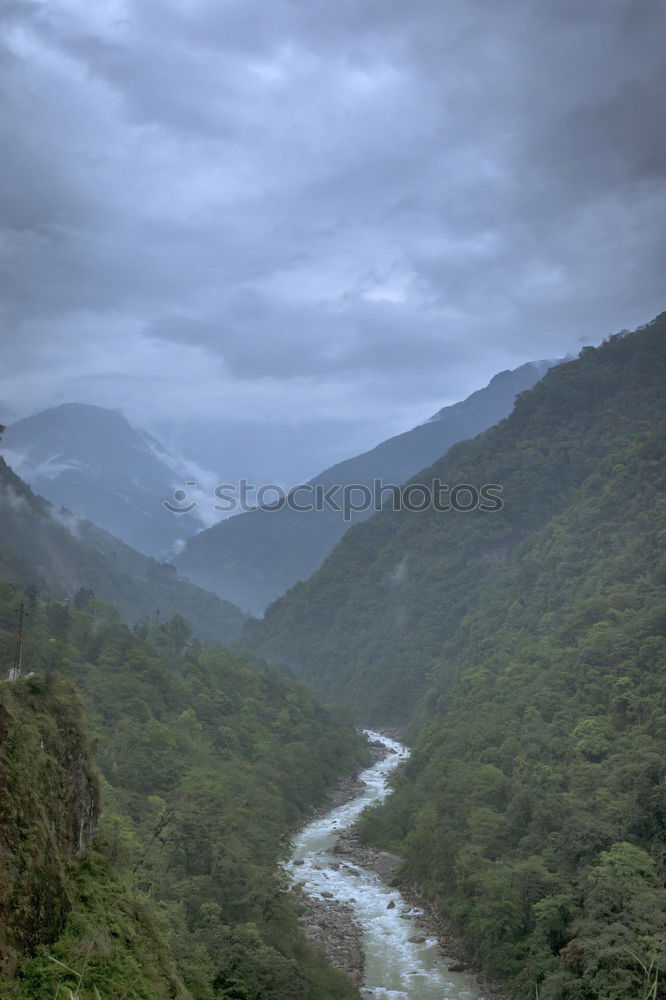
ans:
(335, 214)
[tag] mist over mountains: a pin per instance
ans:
(93, 462)
(395, 599)
(51, 550)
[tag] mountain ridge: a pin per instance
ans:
(252, 558)
(435, 549)
(57, 551)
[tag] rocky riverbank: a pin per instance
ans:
(351, 851)
(331, 928)
(327, 924)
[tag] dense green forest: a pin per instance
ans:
(207, 760)
(524, 652)
(61, 553)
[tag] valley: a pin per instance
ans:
(519, 652)
(333, 500)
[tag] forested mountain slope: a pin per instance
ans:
(253, 558)
(394, 604)
(55, 550)
(208, 762)
(525, 651)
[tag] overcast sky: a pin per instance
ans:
(303, 225)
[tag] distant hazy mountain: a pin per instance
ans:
(60, 553)
(92, 461)
(253, 558)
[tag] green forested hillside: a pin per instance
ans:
(54, 550)
(208, 762)
(61, 899)
(524, 651)
(392, 606)
(534, 808)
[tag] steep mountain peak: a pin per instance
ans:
(77, 430)
(91, 460)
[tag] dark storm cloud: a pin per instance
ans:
(312, 211)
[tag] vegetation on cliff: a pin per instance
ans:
(208, 761)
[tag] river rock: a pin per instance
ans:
(457, 967)
(417, 939)
(332, 930)
(391, 906)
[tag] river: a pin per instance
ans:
(395, 968)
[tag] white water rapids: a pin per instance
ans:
(395, 968)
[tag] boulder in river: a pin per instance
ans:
(391, 905)
(417, 939)
(327, 895)
(457, 967)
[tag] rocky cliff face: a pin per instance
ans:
(49, 806)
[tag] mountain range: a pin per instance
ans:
(519, 648)
(254, 557)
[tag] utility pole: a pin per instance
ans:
(18, 653)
